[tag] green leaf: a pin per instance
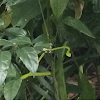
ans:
(87, 91)
(59, 75)
(45, 83)
(58, 6)
(29, 57)
(28, 10)
(11, 72)
(41, 42)
(14, 32)
(41, 38)
(5, 59)
(1, 22)
(5, 42)
(16, 41)
(41, 91)
(11, 89)
(77, 24)
(6, 16)
(61, 31)
(96, 6)
(21, 40)
(3, 75)
(12, 2)
(1, 90)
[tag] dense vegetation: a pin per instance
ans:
(49, 49)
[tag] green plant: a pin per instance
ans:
(35, 36)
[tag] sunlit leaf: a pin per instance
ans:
(3, 75)
(21, 40)
(16, 41)
(5, 59)
(29, 57)
(14, 32)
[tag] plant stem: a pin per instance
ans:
(42, 55)
(36, 74)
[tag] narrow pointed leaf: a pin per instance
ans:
(59, 74)
(41, 91)
(77, 24)
(87, 90)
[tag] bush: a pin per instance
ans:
(50, 49)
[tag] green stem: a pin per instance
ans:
(63, 47)
(36, 74)
(42, 55)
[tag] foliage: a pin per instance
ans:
(45, 42)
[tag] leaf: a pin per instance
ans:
(14, 32)
(6, 16)
(4, 42)
(77, 24)
(41, 91)
(16, 41)
(61, 31)
(1, 22)
(87, 91)
(12, 2)
(41, 38)
(3, 75)
(5, 59)
(96, 6)
(41, 42)
(29, 57)
(21, 40)
(59, 75)
(58, 6)
(11, 72)
(11, 89)
(79, 5)
(28, 10)
(45, 83)
(1, 90)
